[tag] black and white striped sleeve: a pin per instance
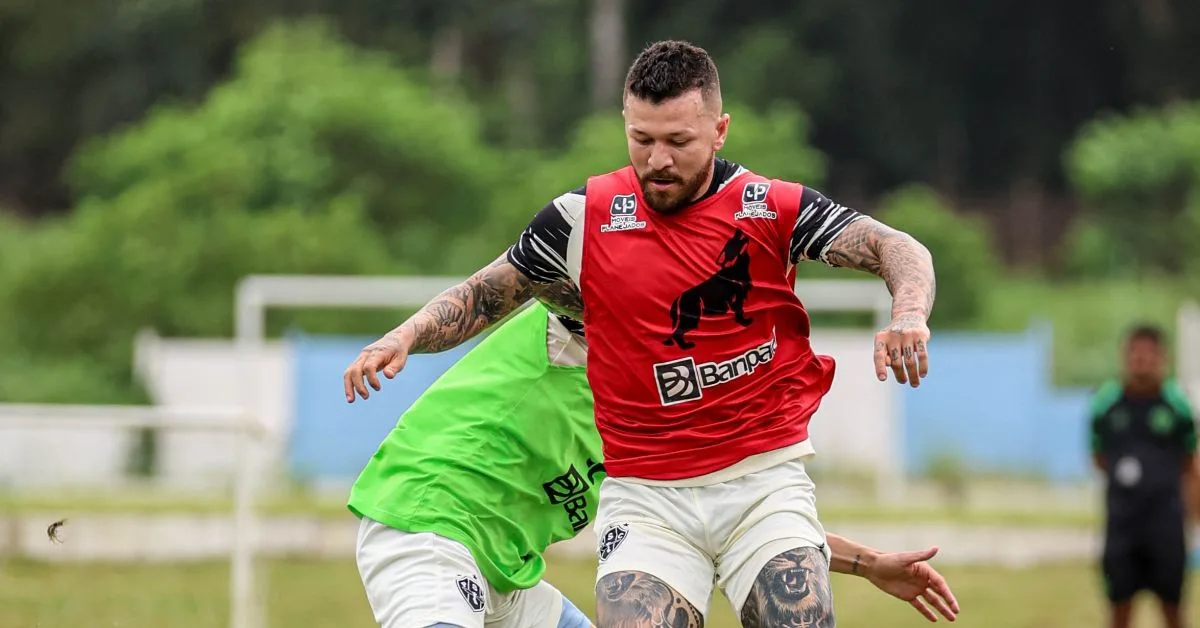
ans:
(819, 223)
(541, 251)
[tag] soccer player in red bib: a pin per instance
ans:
(699, 356)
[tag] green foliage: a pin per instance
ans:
(963, 254)
(305, 119)
(122, 265)
(1087, 317)
(1092, 251)
(315, 158)
(774, 143)
(1141, 176)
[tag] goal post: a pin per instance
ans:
(256, 294)
(1187, 342)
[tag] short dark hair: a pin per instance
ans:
(1146, 331)
(669, 69)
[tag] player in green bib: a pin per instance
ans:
(496, 461)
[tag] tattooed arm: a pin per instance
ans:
(534, 266)
(904, 264)
(452, 318)
(907, 268)
(461, 312)
(840, 236)
(560, 297)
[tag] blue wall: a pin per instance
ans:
(988, 401)
(332, 439)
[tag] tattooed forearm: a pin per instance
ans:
(792, 591)
(904, 264)
(561, 297)
(472, 306)
(632, 599)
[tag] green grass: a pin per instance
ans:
(157, 502)
(832, 515)
(327, 594)
(149, 503)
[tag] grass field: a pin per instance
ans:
(155, 502)
(312, 594)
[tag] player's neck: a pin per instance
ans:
(1142, 388)
(708, 187)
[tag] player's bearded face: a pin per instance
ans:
(672, 145)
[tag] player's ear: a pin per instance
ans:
(722, 131)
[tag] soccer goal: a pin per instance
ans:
(257, 294)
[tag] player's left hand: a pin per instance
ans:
(901, 346)
(908, 576)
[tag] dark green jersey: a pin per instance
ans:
(1145, 442)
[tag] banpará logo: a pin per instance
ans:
(683, 380)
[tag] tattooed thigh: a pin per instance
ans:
(634, 599)
(791, 591)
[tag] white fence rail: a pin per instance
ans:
(73, 430)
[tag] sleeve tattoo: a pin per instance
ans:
(457, 314)
(632, 599)
(461, 312)
(791, 590)
(561, 297)
(904, 264)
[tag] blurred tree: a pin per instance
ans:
(69, 70)
(968, 97)
(306, 119)
(1091, 251)
(1140, 175)
(315, 158)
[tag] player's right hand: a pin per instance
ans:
(901, 347)
(388, 354)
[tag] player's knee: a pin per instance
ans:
(445, 625)
(635, 599)
(791, 590)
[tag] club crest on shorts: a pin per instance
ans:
(611, 538)
(472, 592)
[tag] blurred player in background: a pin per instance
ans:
(1143, 435)
(496, 461)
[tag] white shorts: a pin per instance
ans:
(421, 580)
(723, 533)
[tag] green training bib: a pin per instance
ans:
(500, 454)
